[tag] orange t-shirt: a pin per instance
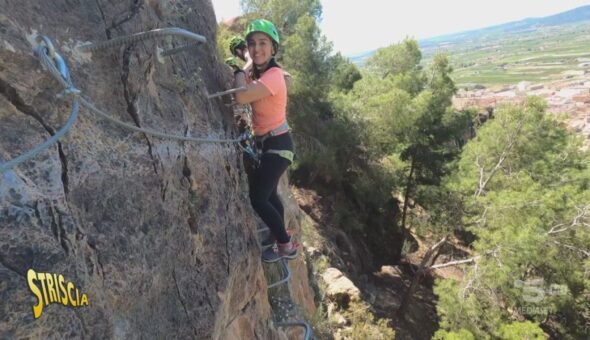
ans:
(270, 112)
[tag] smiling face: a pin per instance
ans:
(260, 48)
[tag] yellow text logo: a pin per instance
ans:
(52, 288)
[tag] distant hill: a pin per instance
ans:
(572, 16)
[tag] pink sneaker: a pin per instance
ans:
(281, 251)
(288, 250)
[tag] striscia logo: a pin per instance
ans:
(54, 289)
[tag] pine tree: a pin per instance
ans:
(524, 181)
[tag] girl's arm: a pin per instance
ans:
(254, 91)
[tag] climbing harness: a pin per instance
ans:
(283, 128)
(248, 144)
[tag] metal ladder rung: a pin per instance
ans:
(283, 262)
(287, 270)
(308, 330)
(223, 93)
(287, 276)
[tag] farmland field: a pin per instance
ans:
(539, 55)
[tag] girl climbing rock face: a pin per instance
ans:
(266, 92)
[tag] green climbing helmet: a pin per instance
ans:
(235, 43)
(264, 26)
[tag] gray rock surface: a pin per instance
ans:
(159, 234)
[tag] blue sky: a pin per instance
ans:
(360, 26)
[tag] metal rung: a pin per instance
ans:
(223, 93)
(286, 278)
(308, 330)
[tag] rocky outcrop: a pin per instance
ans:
(159, 234)
(339, 288)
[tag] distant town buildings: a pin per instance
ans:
(570, 96)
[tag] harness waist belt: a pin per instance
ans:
(283, 128)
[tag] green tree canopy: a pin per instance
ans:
(524, 180)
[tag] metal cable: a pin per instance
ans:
(44, 52)
(96, 110)
(101, 113)
(308, 330)
(128, 39)
(87, 104)
(56, 66)
(37, 149)
(48, 62)
(139, 37)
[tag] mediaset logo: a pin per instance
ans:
(54, 289)
(534, 292)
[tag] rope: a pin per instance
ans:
(128, 39)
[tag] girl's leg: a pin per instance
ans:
(264, 184)
(276, 202)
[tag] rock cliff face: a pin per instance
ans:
(159, 234)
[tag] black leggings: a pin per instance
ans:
(264, 182)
